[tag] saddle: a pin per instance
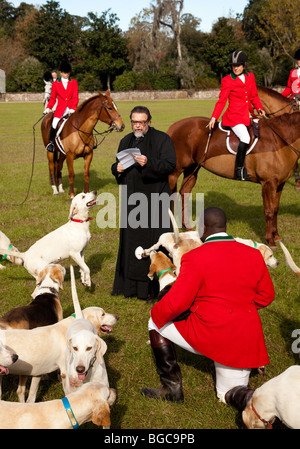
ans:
(232, 140)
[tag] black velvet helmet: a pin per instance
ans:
(238, 57)
(65, 67)
(297, 54)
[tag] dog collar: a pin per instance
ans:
(268, 424)
(255, 245)
(70, 413)
(5, 255)
(81, 221)
(163, 271)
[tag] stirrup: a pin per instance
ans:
(241, 174)
(50, 147)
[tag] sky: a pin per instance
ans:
(207, 11)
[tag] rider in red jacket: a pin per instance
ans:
(293, 89)
(222, 283)
(239, 88)
(65, 91)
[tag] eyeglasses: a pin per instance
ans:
(141, 122)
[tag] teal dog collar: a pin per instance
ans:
(5, 255)
(70, 413)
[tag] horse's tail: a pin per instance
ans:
(289, 260)
(175, 227)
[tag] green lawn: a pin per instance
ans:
(129, 359)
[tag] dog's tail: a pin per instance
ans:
(175, 227)
(289, 260)
(14, 256)
(77, 308)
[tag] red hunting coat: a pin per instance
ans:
(223, 283)
(293, 84)
(66, 97)
(242, 98)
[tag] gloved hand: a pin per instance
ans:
(47, 110)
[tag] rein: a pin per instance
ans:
(290, 103)
(282, 138)
(33, 158)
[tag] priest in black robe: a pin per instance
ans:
(145, 199)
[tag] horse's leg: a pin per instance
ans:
(70, 160)
(51, 163)
(86, 176)
(278, 196)
(271, 205)
(188, 182)
(60, 163)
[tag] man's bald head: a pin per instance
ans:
(214, 221)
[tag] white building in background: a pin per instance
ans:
(2, 82)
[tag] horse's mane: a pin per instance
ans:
(85, 102)
(272, 93)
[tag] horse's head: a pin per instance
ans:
(274, 103)
(109, 112)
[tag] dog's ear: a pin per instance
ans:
(68, 350)
(73, 210)
(101, 415)
(152, 271)
(58, 275)
(101, 349)
(263, 250)
(41, 277)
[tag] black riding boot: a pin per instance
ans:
(239, 397)
(51, 145)
(169, 371)
(240, 170)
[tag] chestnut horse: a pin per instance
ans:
(270, 163)
(274, 103)
(77, 138)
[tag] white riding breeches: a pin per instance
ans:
(57, 119)
(241, 132)
(226, 377)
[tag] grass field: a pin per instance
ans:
(129, 359)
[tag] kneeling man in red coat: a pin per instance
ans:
(222, 283)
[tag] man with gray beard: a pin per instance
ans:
(147, 178)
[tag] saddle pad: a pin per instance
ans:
(227, 131)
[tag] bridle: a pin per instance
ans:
(94, 132)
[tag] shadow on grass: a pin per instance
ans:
(95, 182)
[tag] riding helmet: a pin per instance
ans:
(65, 67)
(238, 58)
(297, 54)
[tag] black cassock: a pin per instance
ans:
(131, 274)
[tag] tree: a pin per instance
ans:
(105, 53)
(224, 39)
(52, 35)
(168, 14)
